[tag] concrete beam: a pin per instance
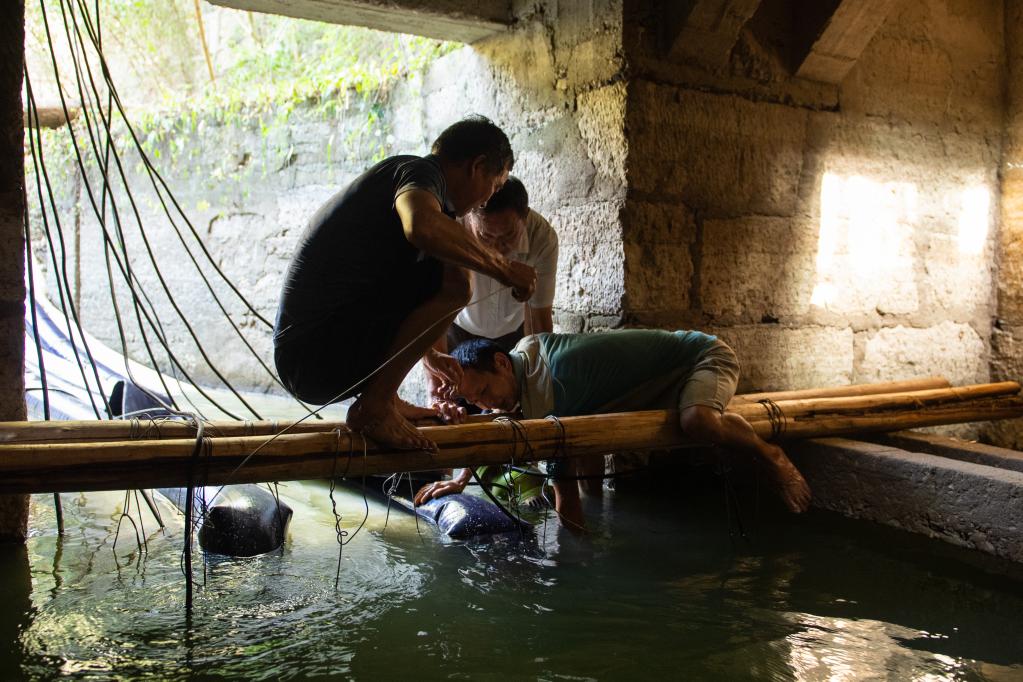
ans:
(465, 21)
(13, 508)
(953, 448)
(705, 31)
(966, 504)
(842, 39)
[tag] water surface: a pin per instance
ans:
(658, 588)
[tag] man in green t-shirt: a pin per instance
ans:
(628, 370)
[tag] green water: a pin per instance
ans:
(657, 589)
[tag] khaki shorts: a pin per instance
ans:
(713, 380)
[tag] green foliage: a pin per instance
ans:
(265, 68)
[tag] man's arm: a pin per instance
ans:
(537, 320)
(428, 229)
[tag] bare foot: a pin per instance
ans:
(791, 486)
(386, 426)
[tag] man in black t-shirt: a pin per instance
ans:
(378, 277)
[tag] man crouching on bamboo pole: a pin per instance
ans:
(621, 371)
(377, 279)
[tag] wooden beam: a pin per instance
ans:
(60, 467)
(705, 31)
(842, 39)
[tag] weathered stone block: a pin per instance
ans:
(601, 121)
(658, 277)
(590, 263)
(895, 237)
(590, 277)
(757, 267)
(952, 350)
(775, 358)
(936, 62)
(721, 154)
(658, 259)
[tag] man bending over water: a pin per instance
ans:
(378, 277)
(621, 371)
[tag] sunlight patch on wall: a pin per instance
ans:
(865, 252)
(973, 220)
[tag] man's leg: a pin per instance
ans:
(566, 496)
(591, 469)
(379, 413)
(708, 425)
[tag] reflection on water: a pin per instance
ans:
(654, 590)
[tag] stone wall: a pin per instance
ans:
(831, 234)
(1007, 336)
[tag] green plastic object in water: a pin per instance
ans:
(506, 484)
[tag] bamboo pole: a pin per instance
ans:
(145, 429)
(904, 386)
(60, 467)
(887, 401)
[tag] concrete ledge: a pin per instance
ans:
(466, 21)
(953, 448)
(963, 503)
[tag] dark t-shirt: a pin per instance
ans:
(353, 255)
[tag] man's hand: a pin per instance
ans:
(522, 279)
(432, 491)
(450, 412)
(443, 374)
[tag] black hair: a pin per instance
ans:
(475, 136)
(512, 196)
(477, 354)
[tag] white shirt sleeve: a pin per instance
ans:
(543, 256)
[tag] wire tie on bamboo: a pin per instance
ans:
(777, 419)
(559, 451)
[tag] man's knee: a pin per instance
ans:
(456, 286)
(701, 423)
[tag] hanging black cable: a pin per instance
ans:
(148, 164)
(149, 248)
(107, 122)
(36, 151)
(58, 508)
(92, 201)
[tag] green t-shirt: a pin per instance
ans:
(591, 371)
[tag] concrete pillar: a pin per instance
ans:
(1007, 336)
(13, 509)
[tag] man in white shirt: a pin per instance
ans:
(509, 226)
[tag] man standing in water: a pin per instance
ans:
(621, 371)
(378, 277)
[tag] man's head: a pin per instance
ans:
(476, 157)
(500, 223)
(488, 380)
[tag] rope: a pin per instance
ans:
(777, 418)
